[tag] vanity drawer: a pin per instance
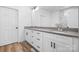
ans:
(38, 46)
(38, 34)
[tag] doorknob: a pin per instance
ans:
(16, 27)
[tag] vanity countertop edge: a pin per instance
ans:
(53, 31)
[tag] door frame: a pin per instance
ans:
(17, 19)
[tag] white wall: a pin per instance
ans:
(41, 18)
(55, 17)
(24, 19)
(45, 18)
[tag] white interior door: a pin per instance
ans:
(8, 24)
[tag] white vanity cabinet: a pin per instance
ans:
(34, 38)
(47, 42)
(59, 43)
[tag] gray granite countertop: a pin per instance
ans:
(54, 31)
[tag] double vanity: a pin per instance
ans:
(54, 31)
(48, 39)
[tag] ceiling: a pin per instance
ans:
(52, 8)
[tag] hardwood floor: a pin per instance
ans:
(16, 47)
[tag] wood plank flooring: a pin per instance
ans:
(15, 47)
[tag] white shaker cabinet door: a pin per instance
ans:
(75, 44)
(57, 43)
(63, 43)
(48, 45)
(63, 47)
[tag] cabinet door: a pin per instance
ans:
(63, 43)
(75, 44)
(63, 39)
(59, 43)
(49, 45)
(60, 47)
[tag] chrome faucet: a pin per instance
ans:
(61, 27)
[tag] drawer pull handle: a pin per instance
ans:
(32, 36)
(38, 47)
(38, 33)
(54, 45)
(26, 33)
(51, 44)
(38, 39)
(32, 42)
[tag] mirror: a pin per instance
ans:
(70, 17)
